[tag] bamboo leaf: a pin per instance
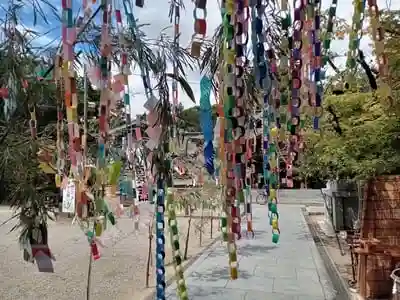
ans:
(184, 85)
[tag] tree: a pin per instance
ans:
(25, 179)
(370, 129)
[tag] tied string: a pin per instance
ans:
(382, 59)
(200, 27)
(229, 104)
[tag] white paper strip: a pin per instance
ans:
(68, 203)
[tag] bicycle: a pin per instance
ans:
(262, 198)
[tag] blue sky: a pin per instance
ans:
(155, 13)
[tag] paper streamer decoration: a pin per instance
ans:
(160, 240)
(229, 115)
(176, 252)
(378, 35)
(206, 123)
(68, 200)
(200, 26)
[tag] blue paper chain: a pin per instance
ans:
(160, 240)
(160, 236)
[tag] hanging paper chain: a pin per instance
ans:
(296, 67)
(317, 88)
(200, 26)
(160, 240)
(249, 216)
(329, 31)
(174, 236)
(354, 39)
(229, 108)
(283, 86)
(378, 36)
(239, 114)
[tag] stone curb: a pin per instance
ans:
(343, 292)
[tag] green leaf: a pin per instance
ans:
(184, 85)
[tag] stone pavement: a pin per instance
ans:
(291, 270)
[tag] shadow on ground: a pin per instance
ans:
(216, 273)
(254, 250)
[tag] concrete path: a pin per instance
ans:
(292, 270)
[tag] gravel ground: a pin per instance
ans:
(119, 274)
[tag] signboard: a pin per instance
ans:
(68, 201)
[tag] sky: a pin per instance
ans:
(155, 13)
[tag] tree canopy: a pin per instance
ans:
(368, 143)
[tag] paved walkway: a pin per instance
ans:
(292, 270)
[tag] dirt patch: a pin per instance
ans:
(120, 273)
